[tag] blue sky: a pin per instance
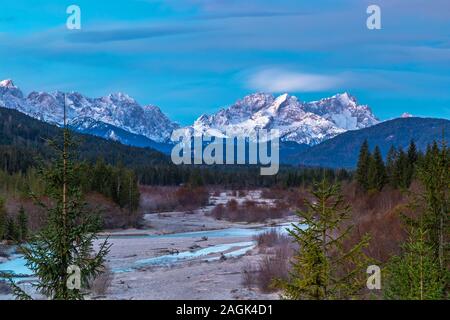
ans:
(194, 56)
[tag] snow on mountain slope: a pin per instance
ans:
(118, 109)
(304, 123)
(344, 111)
(10, 96)
(301, 122)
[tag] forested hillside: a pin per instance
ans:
(24, 141)
(342, 151)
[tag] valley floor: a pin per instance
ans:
(185, 255)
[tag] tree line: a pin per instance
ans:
(236, 176)
(13, 229)
(114, 182)
(399, 169)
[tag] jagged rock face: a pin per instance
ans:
(116, 109)
(344, 111)
(10, 96)
(304, 123)
(301, 122)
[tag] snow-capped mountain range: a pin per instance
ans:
(117, 110)
(117, 114)
(301, 122)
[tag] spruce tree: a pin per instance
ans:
(422, 269)
(67, 239)
(22, 224)
(415, 274)
(377, 171)
(391, 160)
(434, 175)
(12, 231)
(323, 267)
(402, 175)
(362, 170)
(413, 155)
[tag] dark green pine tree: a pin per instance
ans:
(195, 179)
(362, 170)
(422, 270)
(377, 171)
(66, 242)
(22, 224)
(132, 191)
(402, 170)
(434, 175)
(391, 160)
(415, 274)
(413, 156)
(323, 267)
(12, 231)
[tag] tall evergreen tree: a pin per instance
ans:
(66, 241)
(413, 154)
(322, 267)
(422, 270)
(362, 170)
(391, 160)
(402, 170)
(22, 224)
(377, 171)
(12, 232)
(434, 174)
(415, 274)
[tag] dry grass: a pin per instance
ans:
(164, 199)
(274, 265)
(249, 211)
(100, 285)
(36, 214)
(295, 197)
(158, 199)
(249, 275)
(378, 215)
(271, 238)
(112, 215)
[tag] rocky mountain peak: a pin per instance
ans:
(7, 83)
(308, 123)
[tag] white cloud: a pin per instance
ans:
(277, 80)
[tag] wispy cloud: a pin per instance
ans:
(279, 80)
(244, 14)
(128, 34)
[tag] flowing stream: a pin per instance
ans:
(16, 265)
